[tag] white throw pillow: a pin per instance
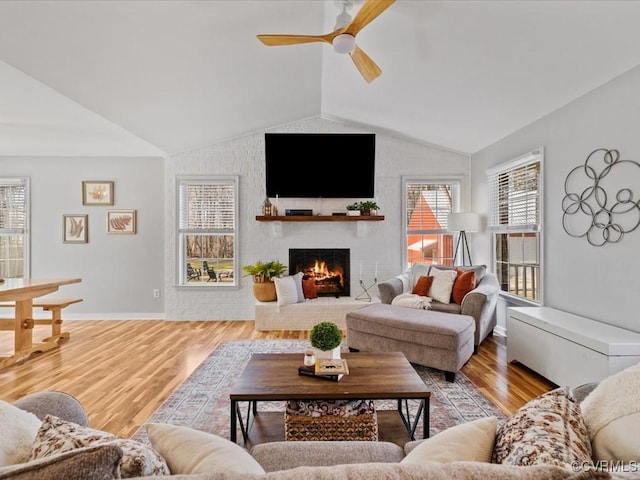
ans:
(442, 284)
(467, 442)
(191, 451)
(612, 414)
(289, 289)
(18, 430)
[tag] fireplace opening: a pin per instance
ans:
(329, 267)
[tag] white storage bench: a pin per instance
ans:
(304, 315)
(568, 349)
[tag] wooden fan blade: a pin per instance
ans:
(276, 40)
(367, 67)
(367, 13)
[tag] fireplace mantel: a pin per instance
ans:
(320, 218)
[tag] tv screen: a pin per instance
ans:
(320, 165)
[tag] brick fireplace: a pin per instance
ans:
(328, 266)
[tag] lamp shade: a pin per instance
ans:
(464, 222)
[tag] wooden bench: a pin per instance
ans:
(53, 305)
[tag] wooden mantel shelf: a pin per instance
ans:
(320, 218)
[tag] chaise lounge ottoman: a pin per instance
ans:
(433, 339)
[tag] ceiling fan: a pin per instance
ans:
(343, 38)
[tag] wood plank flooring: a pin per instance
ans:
(122, 371)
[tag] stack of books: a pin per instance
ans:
(326, 369)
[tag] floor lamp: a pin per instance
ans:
(463, 222)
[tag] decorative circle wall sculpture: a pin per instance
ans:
(598, 202)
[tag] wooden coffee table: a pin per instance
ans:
(372, 376)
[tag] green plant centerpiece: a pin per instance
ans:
(353, 208)
(326, 337)
(263, 273)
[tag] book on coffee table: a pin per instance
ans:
(310, 371)
(331, 366)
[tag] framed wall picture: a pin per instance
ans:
(121, 221)
(97, 192)
(75, 228)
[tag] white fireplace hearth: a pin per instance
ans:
(304, 315)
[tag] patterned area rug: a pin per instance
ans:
(202, 401)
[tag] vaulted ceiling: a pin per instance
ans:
(110, 77)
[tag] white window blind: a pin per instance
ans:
(14, 223)
(514, 194)
(206, 206)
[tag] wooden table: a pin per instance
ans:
(372, 376)
(23, 291)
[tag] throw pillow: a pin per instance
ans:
(470, 442)
(411, 300)
(548, 430)
(464, 283)
(423, 285)
(89, 463)
(442, 285)
(289, 289)
(612, 414)
(57, 436)
(192, 451)
(309, 288)
(18, 429)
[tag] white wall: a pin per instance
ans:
(601, 283)
(118, 272)
(382, 242)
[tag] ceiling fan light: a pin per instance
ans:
(344, 43)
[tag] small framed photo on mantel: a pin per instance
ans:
(75, 229)
(121, 222)
(97, 192)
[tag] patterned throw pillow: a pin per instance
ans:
(57, 436)
(548, 430)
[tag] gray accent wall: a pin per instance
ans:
(601, 283)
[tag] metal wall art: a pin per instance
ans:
(598, 203)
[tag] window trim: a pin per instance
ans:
(457, 181)
(535, 155)
(181, 282)
(26, 181)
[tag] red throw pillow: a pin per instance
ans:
(309, 288)
(423, 285)
(464, 283)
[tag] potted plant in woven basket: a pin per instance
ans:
(326, 337)
(263, 273)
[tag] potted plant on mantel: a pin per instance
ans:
(353, 209)
(263, 273)
(326, 337)
(368, 206)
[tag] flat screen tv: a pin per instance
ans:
(320, 165)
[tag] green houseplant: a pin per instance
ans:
(367, 206)
(353, 208)
(326, 336)
(263, 273)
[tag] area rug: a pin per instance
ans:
(202, 401)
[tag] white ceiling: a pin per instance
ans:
(108, 77)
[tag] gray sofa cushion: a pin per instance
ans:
(58, 404)
(285, 455)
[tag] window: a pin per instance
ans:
(515, 219)
(208, 211)
(14, 228)
(427, 205)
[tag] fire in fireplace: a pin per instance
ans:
(329, 267)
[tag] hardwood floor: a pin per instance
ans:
(122, 371)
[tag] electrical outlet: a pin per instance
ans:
(156, 293)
